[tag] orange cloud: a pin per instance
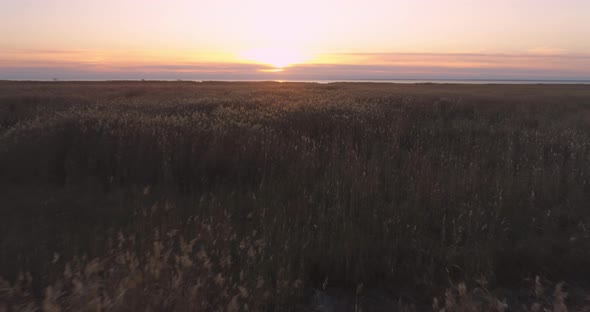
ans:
(78, 64)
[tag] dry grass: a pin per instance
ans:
(384, 185)
(216, 270)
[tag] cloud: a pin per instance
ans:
(342, 66)
(546, 51)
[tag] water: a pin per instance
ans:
(439, 81)
(404, 81)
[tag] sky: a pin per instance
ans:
(301, 40)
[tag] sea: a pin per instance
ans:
(404, 81)
(425, 81)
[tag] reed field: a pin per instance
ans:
(262, 196)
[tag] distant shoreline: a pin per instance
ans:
(326, 81)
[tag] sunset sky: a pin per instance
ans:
(304, 40)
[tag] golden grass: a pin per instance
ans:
(262, 190)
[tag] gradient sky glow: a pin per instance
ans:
(305, 39)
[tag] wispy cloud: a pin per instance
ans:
(547, 51)
(335, 66)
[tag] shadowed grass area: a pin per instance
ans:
(388, 185)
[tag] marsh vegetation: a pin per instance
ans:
(233, 196)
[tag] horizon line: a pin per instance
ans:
(360, 80)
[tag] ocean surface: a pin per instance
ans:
(406, 81)
(441, 81)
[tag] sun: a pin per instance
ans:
(278, 58)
